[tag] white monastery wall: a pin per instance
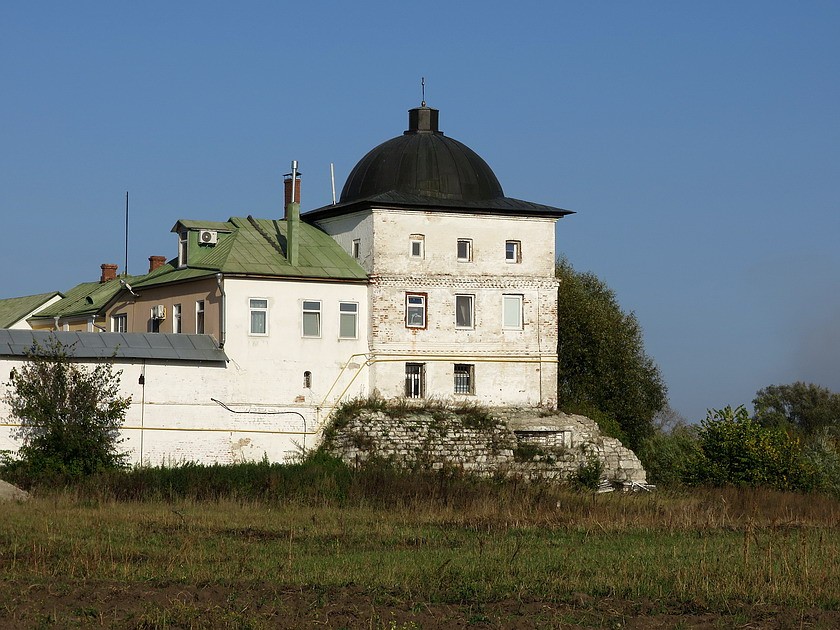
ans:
(351, 227)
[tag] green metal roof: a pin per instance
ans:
(249, 246)
(12, 310)
(84, 299)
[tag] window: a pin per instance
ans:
(311, 318)
(513, 251)
(512, 312)
(176, 318)
(415, 380)
(415, 310)
(259, 316)
(464, 250)
(355, 247)
(347, 320)
(307, 380)
(154, 324)
(119, 323)
(464, 311)
(464, 378)
(199, 317)
(417, 242)
(182, 248)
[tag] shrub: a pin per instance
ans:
(737, 450)
(70, 415)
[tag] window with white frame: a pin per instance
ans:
(355, 248)
(311, 318)
(415, 310)
(415, 380)
(464, 311)
(464, 378)
(348, 318)
(417, 244)
(176, 318)
(119, 323)
(199, 317)
(464, 250)
(259, 316)
(513, 251)
(512, 312)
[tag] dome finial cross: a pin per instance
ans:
(423, 91)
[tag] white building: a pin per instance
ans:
(424, 281)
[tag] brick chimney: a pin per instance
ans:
(287, 183)
(156, 262)
(109, 272)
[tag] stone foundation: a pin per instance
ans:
(519, 442)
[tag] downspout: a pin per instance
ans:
(221, 285)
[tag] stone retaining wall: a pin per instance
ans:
(518, 442)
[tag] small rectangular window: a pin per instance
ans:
(415, 380)
(415, 310)
(513, 251)
(417, 244)
(311, 318)
(182, 248)
(512, 312)
(199, 317)
(119, 323)
(464, 378)
(464, 311)
(348, 316)
(259, 316)
(355, 248)
(464, 250)
(176, 318)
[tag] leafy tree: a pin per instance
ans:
(603, 364)
(70, 415)
(804, 406)
(737, 450)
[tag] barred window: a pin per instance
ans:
(464, 378)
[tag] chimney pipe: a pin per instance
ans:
(109, 272)
(156, 262)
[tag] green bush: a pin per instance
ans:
(70, 415)
(668, 457)
(737, 450)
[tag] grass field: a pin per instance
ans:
(499, 555)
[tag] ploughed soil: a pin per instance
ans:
(62, 604)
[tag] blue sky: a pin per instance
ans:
(699, 144)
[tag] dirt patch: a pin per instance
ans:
(8, 492)
(262, 605)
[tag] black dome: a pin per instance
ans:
(423, 162)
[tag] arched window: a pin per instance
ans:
(307, 379)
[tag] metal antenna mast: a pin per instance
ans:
(423, 91)
(125, 269)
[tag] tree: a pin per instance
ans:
(807, 407)
(69, 415)
(603, 368)
(737, 450)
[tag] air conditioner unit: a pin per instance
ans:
(208, 237)
(159, 312)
